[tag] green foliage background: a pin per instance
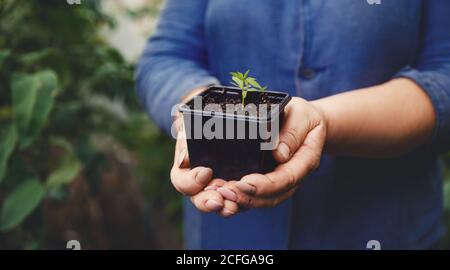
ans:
(78, 157)
(68, 112)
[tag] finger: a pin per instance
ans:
(229, 209)
(238, 196)
(227, 193)
(181, 157)
(208, 201)
(231, 193)
(190, 182)
(215, 184)
(178, 126)
(287, 175)
(187, 181)
(294, 130)
(249, 201)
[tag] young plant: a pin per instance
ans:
(246, 84)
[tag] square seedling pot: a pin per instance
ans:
(228, 153)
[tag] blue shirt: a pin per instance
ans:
(314, 49)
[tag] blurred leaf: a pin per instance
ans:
(87, 67)
(33, 98)
(21, 203)
(7, 144)
(68, 168)
(6, 113)
(447, 194)
(3, 55)
(35, 56)
(24, 92)
(238, 75)
(252, 81)
(239, 82)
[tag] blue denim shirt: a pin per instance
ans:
(313, 49)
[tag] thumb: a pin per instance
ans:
(292, 135)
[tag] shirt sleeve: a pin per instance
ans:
(174, 60)
(432, 69)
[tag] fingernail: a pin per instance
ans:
(210, 188)
(228, 212)
(244, 187)
(204, 176)
(228, 194)
(284, 151)
(213, 205)
(181, 157)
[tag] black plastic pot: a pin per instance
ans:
(232, 157)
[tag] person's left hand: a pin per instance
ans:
(301, 141)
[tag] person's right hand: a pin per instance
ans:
(197, 183)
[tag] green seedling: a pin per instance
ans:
(246, 84)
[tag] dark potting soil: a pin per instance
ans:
(230, 101)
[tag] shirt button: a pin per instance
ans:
(307, 73)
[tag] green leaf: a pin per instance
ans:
(246, 84)
(7, 145)
(24, 92)
(246, 73)
(252, 81)
(19, 204)
(33, 98)
(237, 75)
(67, 169)
(239, 82)
(33, 57)
(4, 54)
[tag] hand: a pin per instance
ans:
(197, 182)
(299, 150)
